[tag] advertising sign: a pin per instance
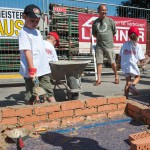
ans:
(10, 22)
(59, 9)
(122, 24)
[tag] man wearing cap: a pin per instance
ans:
(33, 57)
(51, 41)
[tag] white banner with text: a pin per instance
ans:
(10, 22)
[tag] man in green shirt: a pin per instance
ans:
(103, 29)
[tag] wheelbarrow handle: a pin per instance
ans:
(20, 144)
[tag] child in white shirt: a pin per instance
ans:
(130, 54)
(33, 58)
(51, 41)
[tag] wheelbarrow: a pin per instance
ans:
(68, 73)
(18, 136)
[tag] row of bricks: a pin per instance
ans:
(139, 112)
(62, 114)
(145, 111)
(141, 140)
(63, 122)
(64, 106)
(46, 110)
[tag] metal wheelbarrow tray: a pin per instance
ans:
(63, 70)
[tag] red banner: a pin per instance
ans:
(122, 25)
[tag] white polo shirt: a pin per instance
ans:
(33, 41)
(130, 54)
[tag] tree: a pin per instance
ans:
(135, 9)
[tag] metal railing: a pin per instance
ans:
(66, 24)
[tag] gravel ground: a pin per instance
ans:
(108, 135)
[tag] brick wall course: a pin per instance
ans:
(82, 112)
(96, 101)
(138, 111)
(107, 108)
(46, 109)
(116, 99)
(72, 105)
(61, 114)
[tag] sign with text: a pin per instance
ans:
(122, 24)
(10, 22)
(59, 9)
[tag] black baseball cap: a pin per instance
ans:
(32, 11)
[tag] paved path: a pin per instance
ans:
(12, 90)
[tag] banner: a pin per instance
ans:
(122, 24)
(10, 22)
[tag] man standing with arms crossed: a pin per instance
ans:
(103, 29)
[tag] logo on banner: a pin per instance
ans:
(122, 25)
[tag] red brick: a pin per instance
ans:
(136, 115)
(11, 121)
(116, 99)
(95, 101)
(46, 109)
(61, 114)
(97, 116)
(48, 125)
(139, 135)
(129, 112)
(72, 105)
(71, 121)
(141, 144)
(32, 119)
(115, 113)
(79, 112)
(11, 112)
(107, 108)
(24, 111)
(133, 108)
(145, 113)
(8, 112)
(121, 106)
(148, 121)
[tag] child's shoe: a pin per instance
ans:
(133, 90)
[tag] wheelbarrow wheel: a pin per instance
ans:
(73, 84)
(75, 96)
(72, 96)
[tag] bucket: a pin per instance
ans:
(15, 134)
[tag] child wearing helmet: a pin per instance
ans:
(130, 54)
